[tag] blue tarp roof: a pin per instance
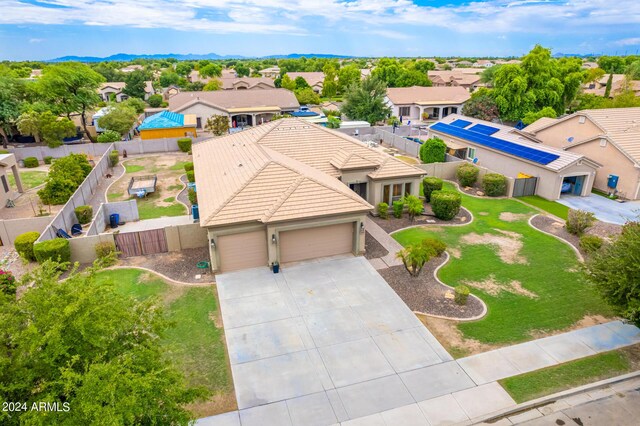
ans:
(531, 154)
(163, 120)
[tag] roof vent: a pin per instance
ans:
(239, 164)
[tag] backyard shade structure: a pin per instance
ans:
(167, 124)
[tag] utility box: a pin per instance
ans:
(612, 181)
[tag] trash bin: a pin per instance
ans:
(114, 220)
(195, 212)
(276, 267)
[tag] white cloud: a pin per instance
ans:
(385, 18)
(634, 41)
(36, 40)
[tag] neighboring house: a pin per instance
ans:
(290, 191)
(542, 170)
(483, 63)
(116, 87)
(246, 83)
(8, 162)
(411, 103)
(229, 73)
(167, 124)
(618, 82)
(243, 107)
(590, 65)
(96, 116)
(132, 68)
(169, 92)
(608, 136)
(364, 73)
(313, 79)
(194, 76)
(35, 74)
(272, 72)
(454, 78)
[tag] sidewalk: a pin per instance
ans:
(387, 241)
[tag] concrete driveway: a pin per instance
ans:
(324, 342)
(604, 209)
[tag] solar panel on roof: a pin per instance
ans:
(460, 123)
(485, 130)
(514, 149)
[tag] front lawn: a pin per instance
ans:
(29, 179)
(530, 281)
(552, 207)
(547, 381)
(194, 342)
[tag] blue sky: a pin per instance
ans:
(45, 29)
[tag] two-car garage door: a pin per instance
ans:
(309, 243)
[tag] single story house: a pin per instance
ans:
(8, 162)
(167, 124)
(411, 103)
(289, 191)
(243, 107)
(115, 88)
(271, 72)
(535, 168)
(609, 136)
(132, 68)
(454, 78)
(314, 79)
(246, 83)
(618, 84)
(170, 91)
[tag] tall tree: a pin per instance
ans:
(366, 101)
(29, 124)
(135, 84)
(348, 75)
(71, 88)
(119, 119)
(287, 83)
(169, 78)
(329, 85)
(607, 89)
(218, 124)
(54, 129)
(481, 105)
(11, 95)
(110, 371)
(212, 85)
(511, 94)
(301, 83)
(210, 70)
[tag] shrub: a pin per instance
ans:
(591, 243)
(109, 136)
(433, 151)
(106, 253)
(155, 101)
(31, 162)
(430, 184)
(445, 204)
(461, 294)
(193, 196)
(8, 283)
(184, 144)
(494, 184)
(398, 207)
(415, 256)
(436, 246)
(48, 159)
(114, 158)
(578, 221)
(383, 210)
(467, 174)
(188, 167)
(84, 214)
(57, 250)
(24, 244)
(65, 175)
(414, 205)
(191, 176)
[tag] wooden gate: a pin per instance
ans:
(141, 243)
(525, 186)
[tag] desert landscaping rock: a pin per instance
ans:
(393, 224)
(373, 248)
(179, 266)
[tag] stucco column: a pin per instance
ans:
(16, 176)
(440, 113)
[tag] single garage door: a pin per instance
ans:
(321, 241)
(241, 251)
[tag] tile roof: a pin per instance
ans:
(164, 120)
(428, 95)
(284, 170)
(453, 76)
(509, 134)
(312, 78)
(225, 99)
(233, 82)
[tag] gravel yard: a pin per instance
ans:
(373, 248)
(179, 266)
(393, 224)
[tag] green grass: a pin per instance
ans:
(179, 165)
(552, 207)
(547, 381)
(114, 197)
(551, 272)
(193, 342)
(169, 200)
(29, 179)
(148, 210)
(174, 187)
(133, 168)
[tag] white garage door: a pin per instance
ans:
(241, 251)
(321, 241)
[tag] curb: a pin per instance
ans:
(578, 254)
(550, 399)
(164, 277)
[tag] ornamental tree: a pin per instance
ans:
(366, 101)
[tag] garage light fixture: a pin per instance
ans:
(213, 244)
(273, 239)
(361, 227)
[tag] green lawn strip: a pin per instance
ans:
(148, 210)
(174, 187)
(169, 200)
(552, 207)
(179, 165)
(193, 342)
(29, 179)
(114, 196)
(133, 168)
(550, 380)
(550, 272)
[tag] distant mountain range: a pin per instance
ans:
(125, 57)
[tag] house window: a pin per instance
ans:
(581, 120)
(471, 153)
(407, 188)
(395, 192)
(404, 111)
